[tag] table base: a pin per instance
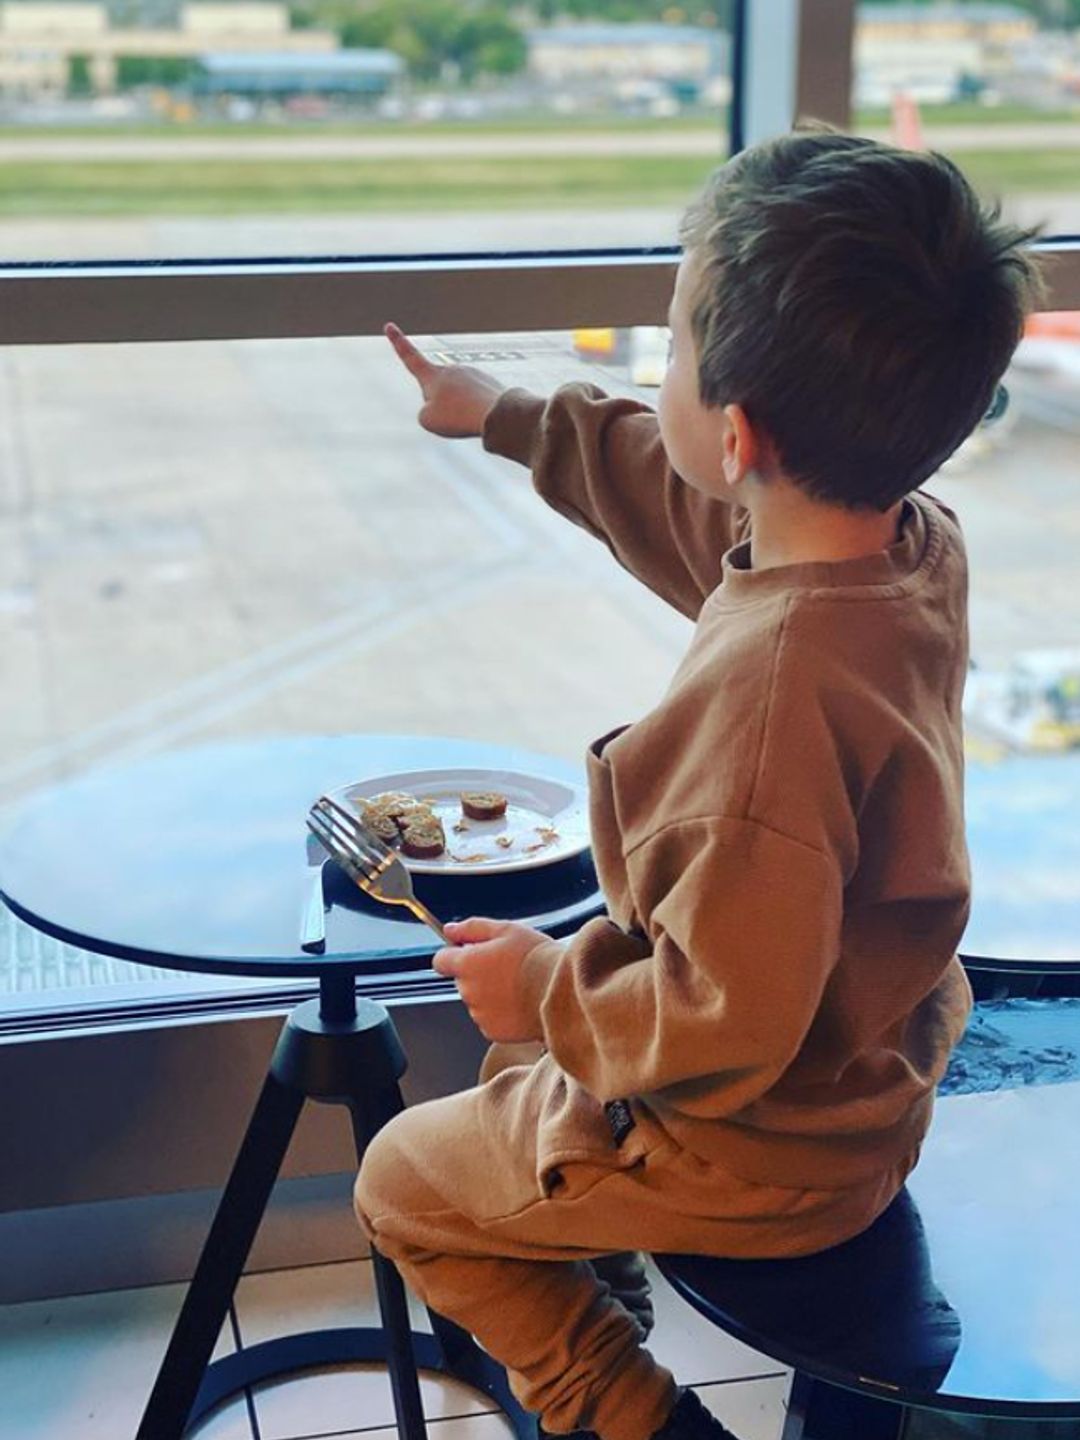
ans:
(339, 1051)
(458, 1356)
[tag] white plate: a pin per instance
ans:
(536, 806)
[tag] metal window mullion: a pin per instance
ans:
(825, 66)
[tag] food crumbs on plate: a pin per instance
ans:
(546, 832)
(504, 840)
(469, 859)
(460, 826)
(532, 849)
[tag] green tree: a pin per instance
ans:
(167, 71)
(431, 34)
(78, 79)
(674, 12)
(488, 41)
(1051, 13)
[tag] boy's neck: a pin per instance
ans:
(789, 528)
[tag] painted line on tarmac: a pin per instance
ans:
(236, 686)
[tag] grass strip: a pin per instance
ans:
(230, 187)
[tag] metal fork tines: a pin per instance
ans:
(366, 859)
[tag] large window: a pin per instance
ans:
(316, 127)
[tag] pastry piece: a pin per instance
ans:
(393, 803)
(483, 804)
(414, 814)
(423, 841)
(382, 826)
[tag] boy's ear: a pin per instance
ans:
(740, 445)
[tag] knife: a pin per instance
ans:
(313, 921)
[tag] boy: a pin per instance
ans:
(741, 1061)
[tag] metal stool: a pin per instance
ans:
(935, 1321)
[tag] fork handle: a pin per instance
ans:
(313, 921)
(420, 910)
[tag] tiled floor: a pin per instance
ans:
(80, 1368)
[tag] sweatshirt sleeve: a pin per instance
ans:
(600, 462)
(743, 933)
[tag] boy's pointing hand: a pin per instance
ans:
(486, 957)
(457, 398)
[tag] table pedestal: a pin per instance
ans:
(342, 1052)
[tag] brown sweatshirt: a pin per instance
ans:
(780, 840)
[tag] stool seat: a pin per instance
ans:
(964, 1296)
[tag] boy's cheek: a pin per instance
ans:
(665, 412)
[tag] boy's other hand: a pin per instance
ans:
(485, 957)
(457, 398)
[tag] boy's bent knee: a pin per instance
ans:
(502, 1055)
(385, 1180)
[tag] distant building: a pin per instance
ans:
(38, 41)
(566, 53)
(263, 75)
(935, 53)
(987, 24)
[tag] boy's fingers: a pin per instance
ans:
(418, 365)
(474, 930)
(447, 961)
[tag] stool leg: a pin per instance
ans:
(819, 1411)
(393, 1305)
(222, 1260)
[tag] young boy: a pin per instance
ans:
(741, 1061)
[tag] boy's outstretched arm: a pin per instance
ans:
(599, 461)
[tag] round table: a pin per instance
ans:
(198, 860)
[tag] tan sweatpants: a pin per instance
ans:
(454, 1192)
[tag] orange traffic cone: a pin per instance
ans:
(906, 124)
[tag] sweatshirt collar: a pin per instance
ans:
(899, 563)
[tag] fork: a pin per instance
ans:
(366, 859)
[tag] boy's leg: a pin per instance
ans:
(493, 1201)
(456, 1209)
(623, 1272)
(503, 1056)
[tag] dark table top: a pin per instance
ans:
(195, 859)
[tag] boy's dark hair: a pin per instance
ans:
(859, 302)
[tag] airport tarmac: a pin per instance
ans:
(205, 540)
